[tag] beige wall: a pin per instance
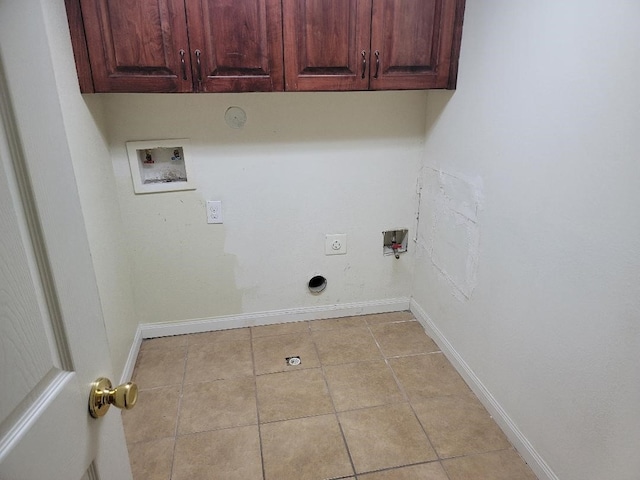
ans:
(85, 129)
(529, 250)
(304, 165)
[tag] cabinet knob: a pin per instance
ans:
(364, 62)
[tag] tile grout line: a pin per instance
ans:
(473, 454)
(175, 432)
(386, 361)
(335, 410)
(255, 386)
(390, 469)
(406, 395)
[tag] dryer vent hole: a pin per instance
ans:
(317, 284)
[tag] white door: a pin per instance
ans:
(52, 337)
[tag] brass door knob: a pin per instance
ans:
(102, 396)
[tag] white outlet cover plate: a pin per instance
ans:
(335, 244)
(214, 211)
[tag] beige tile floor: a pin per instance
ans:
(373, 399)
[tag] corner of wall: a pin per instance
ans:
(86, 136)
(502, 418)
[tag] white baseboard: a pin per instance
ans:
(153, 330)
(127, 372)
(508, 426)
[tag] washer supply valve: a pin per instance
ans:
(394, 242)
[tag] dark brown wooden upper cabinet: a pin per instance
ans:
(326, 44)
(236, 45)
(371, 44)
(265, 45)
(136, 46)
(178, 45)
(411, 43)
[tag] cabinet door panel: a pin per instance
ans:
(323, 44)
(414, 41)
(240, 43)
(135, 46)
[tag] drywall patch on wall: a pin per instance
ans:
(449, 232)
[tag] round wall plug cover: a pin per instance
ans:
(235, 117)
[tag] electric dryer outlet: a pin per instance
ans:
(335, 244)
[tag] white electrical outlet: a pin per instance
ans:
(214, 211)
(335, 244)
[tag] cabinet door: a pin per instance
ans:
(324, 41)
(236, 45)
(135, 46)
(414, 40)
